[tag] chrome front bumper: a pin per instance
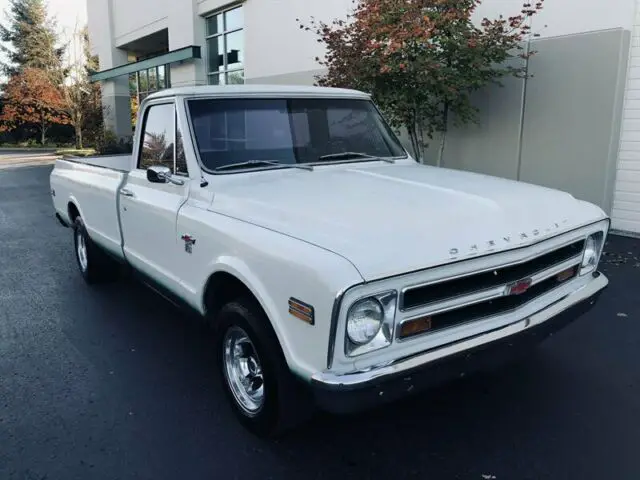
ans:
(540, 324)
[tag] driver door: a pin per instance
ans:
(149, 210)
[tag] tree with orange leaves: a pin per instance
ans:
(31, 98)
(422, 59)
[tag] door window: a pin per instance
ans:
(157, 137)
(181, 159)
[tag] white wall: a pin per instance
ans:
(566, 17)
(187, 27)
(276, 46)
(274, 43)
(626, 203)
(134, 19)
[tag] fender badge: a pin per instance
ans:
(189, 242)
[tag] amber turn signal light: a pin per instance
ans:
(415, 326)
(301, 311)
(566, 274)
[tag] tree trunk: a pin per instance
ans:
(415, 144)
(443, 138)
(43, 130)
(78, 129)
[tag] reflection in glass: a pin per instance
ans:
(161, 77)
(153, 79)
(300, 130)
(181, 159)
(216, 79)
(225, 47)
(235, 78)
(157, 147)
(143, 81)
(215, 47)
(235, 50)
(235, 19)
(214, 25)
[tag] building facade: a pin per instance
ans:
(575, 125)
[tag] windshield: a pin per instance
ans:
(289, 131)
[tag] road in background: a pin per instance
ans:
(21, 157)
(113, 382)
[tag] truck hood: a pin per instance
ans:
(394, 218)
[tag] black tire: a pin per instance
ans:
(95, 266)
(286, 403)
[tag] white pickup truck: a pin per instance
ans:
(336, 270)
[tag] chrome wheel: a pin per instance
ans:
(81, 249)
(243, 371)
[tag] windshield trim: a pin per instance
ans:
(204, 168)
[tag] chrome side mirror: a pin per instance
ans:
(158, 174)
(162, 174)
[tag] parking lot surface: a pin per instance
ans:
(115, 383)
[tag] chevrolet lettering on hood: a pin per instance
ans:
(489, 246)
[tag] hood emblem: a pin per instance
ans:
(491, 245)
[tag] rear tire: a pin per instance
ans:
(95, 266)
(264, 395)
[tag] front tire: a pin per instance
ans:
(264, 395)
(94, 265)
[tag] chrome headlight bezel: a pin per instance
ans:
(383, 336)
(593, 246)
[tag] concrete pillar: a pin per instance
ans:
(187, 28)
(115, 93)
(116, 102)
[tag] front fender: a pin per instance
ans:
(275, 268)
(273, 283)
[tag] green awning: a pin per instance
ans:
(180, 55)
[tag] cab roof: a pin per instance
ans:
(252, 90)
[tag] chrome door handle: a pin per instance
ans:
(127, 193)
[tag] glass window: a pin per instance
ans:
(217, 79)
(181, 159)
(215, 48)
(161, 77)
(157, 146)
(235, 50)
(288, 131)
(236, 77)
(225, 45)
(215, 24)
(153, 80)
(234, 19)
(143, 81)
(148, 81)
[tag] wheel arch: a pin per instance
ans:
(232, 279)
(73, 210)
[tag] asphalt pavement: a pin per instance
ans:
(115, 383)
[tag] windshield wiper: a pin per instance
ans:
(353, 155)
(258, 163)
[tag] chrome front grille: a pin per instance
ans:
(450, 303)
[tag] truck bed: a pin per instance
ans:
(92, 183)
(121, 163)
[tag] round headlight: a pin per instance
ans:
(364, 320)
(590, 257)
